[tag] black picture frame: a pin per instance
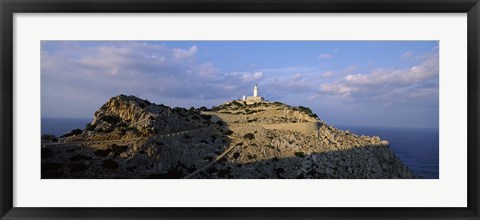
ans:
(9, 7)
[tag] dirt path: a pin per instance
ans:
(156, 138)
(211, 163)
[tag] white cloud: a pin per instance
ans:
(206, 70)
(388, 85)
(426, 70)
(156, 72)
(181, 54)
(406, 55)
(328, 74)
(350, 70)
(296, 76)
(325, 56)
(249, 77)
(282, 69)
(328, 55)
(422, 92)
(337, 88)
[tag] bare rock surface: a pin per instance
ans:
(134, 138)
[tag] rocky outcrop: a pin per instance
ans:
(329, 153)
(127, 117)
(238, 112)
(233, 140)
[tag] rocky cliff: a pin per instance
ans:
(133, 138)
(127, 117)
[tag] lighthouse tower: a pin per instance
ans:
(255, 98)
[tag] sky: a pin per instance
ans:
(368, 83)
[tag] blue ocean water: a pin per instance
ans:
(418, 148)
(61, 126)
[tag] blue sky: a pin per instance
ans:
(373, 83)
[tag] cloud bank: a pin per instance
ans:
(95, 72)
(389, 86)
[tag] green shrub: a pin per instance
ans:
(249, 136)
(270, 146)
(73, 132)
(236, 155)
(307, 111)
(248, 112)
(112, 119)
(122, 130)
(195, 117)
(76, 131)
(89, 127)
(206, 117)
(117, 150)
(299, 154)
(237, 103)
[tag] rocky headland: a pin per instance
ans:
(133, 138)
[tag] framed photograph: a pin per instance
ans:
(226, 110)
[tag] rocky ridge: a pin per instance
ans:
(157, 141)
(127, 117)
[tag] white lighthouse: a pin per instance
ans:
(255, 98)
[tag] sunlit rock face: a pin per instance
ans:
(134, 138)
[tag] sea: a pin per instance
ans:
(61, 126)
(418, 148)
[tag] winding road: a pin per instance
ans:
(156, 138)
